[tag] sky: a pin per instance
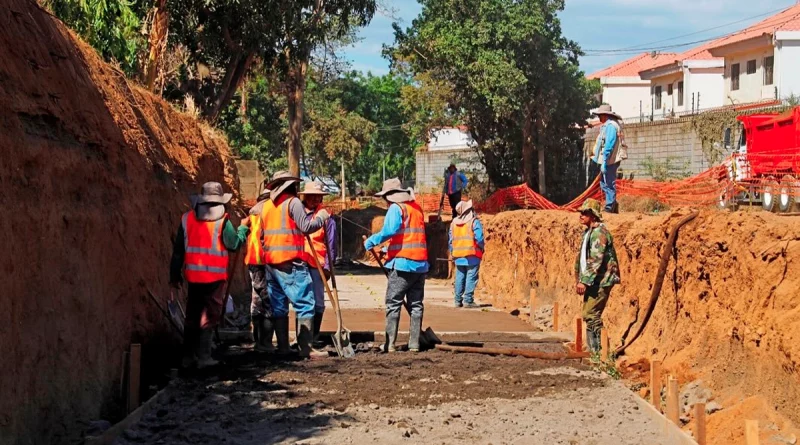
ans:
(599, 25)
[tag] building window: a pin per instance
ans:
(751, 67)
(769, 69)
(657, 93)
(669, 90)
(735, 77)
(680, 94)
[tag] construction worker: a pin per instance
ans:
(284, 222)
(609, 151)
(260, 305)
(200, 253)
(324, 241)
(596, 270)
(466, 248)
(407, 260)
(454, 183)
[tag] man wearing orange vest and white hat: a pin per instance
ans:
(200, 253)
(325, 248)
(284, 224)
(260, 305)
(466, 247)
(407, 260)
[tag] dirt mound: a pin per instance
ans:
(728, 311)
(95, 176)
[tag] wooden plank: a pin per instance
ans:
(578, 334)
(671, 433)
(532, 305)
(555, 316)
(134, 376)
(700, 423)
(604, 346)
(751, 432)
(655, 384)
(673, 410)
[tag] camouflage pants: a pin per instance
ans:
(259, 300)
(594, 303)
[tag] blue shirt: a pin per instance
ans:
(609, 130)
(392, 226)
(454, 187)
(471, 260)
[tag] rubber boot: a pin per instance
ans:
(282, 334)
(316, 343)
(413, 334)
(255, 326)
(294, 345)
(305, 332)
(265, 331)
(204, 359)
(592, 341)
(391, 334)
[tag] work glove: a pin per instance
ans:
(324, 215)
(603, 168)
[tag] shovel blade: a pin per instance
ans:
(341, 341)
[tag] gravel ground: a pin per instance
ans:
(428, 398)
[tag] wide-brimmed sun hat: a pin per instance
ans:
(281, 180)
(209, 205)
(591, 206)
(393, 191)
(313, 188)
(465, 212)
(606, 109)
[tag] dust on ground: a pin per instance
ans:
(432, 397)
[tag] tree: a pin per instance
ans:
(514, 78)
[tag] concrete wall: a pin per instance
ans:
(625, 99)
(661, 140)
(751, 86)
(787, 66)
(431, 165)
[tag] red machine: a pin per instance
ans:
(765, 167)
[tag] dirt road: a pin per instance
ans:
(433, 397)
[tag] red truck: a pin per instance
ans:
(765, 165)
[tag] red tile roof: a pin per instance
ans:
(632, 66)
(786, 20)
(699, 53)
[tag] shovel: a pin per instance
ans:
(377, 258)
(341, 339)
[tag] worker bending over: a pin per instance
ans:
(260, 305)
(284, 222)
(596, 270)
(200, 252)
(407, 260)
(466, 248)
(323, 252)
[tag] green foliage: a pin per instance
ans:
(608, 366)
(110, 26)
(672, 167)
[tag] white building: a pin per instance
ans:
(445, 146)
(684, 82)
(624, 89)
(762, 62)
(451, 138)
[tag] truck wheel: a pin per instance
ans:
(769, 197)
(727, 200)
(789, 196)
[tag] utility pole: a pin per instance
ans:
(341, 219)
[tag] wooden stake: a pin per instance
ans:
(655, 384)
(604, 346)
(555, 317)
(751, 432)
(134, 374)
(532, 304)
(700, 423)
(578, 334)
(673, 413)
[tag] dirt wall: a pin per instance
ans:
(95, 176)
(729, 308)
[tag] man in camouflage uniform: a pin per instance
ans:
(596, 270)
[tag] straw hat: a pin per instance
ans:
(393, 191)
(313, 188)
(281, 180)
(606, 109)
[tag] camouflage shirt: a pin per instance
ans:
(601, 259)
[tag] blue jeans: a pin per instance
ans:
(608, 184)
(319, 290)
(466, 276)
(291, 282)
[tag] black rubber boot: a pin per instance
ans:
(316, 343)
(255, 325)
(282, 334)
(203, 353)
(391, 334)
(266, 329)
(413, 334)
(305, 332)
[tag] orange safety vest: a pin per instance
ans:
(206, 259)
(410, 241)
(282, 240)
(464, 243)
(255, 251)
(320, 246)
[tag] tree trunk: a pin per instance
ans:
(159, 30)
(528, 161)
(297, 88)
(542, 183)
(236, 71)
